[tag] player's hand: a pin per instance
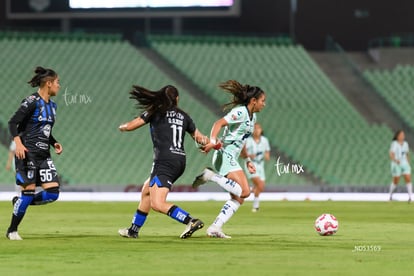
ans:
(58, 148)
(123, 127)
(251, 167)
(207, 148)
(8, 167)
(20, 151)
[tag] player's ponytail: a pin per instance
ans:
(155, 101)
(242, 94)
(42, 75)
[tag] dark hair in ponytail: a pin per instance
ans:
(397, 133)
(155, 101)
(42, 75)
(242, 94)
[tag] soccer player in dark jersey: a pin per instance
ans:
(31, 129)
(168, 125)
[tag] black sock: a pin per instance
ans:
(15, 221)
(134, 228)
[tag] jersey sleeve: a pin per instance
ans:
(25, 110)
(236, 115)
(145, 116)
(191, 127)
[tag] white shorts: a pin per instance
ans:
(224, 162)
(400, 169)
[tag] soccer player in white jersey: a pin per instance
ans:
(400, 163)
(238, 125)
(257, 148)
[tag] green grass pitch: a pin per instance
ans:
(69, 238)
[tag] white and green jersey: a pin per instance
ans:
(400, 151)
(239, 128)
(258, 149)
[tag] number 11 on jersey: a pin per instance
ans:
(177, 135)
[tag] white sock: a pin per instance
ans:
(392, 188)
(227, 184)
(256, 203)
(409, 189)
(228, 210)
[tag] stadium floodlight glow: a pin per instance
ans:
(93, 9)
(92, 4)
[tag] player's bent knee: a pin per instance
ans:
(52, 194)
(245, 193)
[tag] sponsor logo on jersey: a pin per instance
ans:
(46, 130)
(41, 119)
(42, 145)
(236, 115)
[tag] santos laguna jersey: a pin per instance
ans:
(400, 151)
(168, 132)
(257, 149)
(33, 122)
(239, 128)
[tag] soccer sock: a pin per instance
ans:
(409, 189)
(47, 196)
(256, 202)
(138, 220)
(20, 208)
(227, 184)
(179, 214)
(392, 188)
(228, 210)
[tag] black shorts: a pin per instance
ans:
(165, 172)
(35, 171)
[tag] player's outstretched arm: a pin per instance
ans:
(132, 125)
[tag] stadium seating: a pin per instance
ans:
(95, 79)
(306, 116)
(96, 75)
(397, 87)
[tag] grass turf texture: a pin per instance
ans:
(67, 238)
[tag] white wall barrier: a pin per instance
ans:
(220, 196)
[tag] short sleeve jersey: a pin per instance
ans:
(239, 128)
(33, 122)
(168, 133)
(400, 151)
(257, 149)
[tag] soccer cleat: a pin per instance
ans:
(14, 200)
(255, 210)
(203, 177)
(13, 236)
(192, 226)
(127, 233)
(215, 232)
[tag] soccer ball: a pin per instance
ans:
(326, 225)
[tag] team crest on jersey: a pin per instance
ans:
(46, 130)
(30, 174)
